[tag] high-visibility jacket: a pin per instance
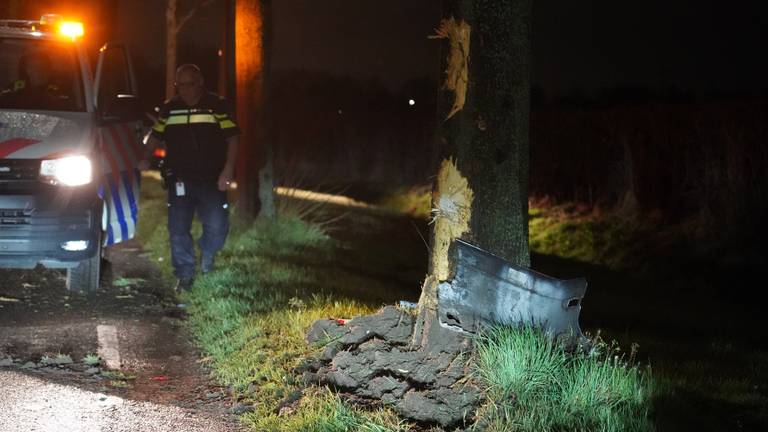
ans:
(195, 136)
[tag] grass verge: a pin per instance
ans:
(415, 201)
(566, 231)
(276, 277)
(534, 384)
(250, 318)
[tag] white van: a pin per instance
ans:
(69, 145)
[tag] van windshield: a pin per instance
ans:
(40, 75)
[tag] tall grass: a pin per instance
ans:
(250, 315)
(534, 384)
(275, 278)
(250, 319)
(584, 235)
(415, 201)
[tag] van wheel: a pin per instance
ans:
(85, 277)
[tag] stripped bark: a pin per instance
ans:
(481, 193)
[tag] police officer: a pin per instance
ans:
(201, 146)
(36, 87)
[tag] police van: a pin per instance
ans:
(69, 146)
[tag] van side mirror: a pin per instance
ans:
(122, 108)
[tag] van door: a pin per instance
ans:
(118, 134)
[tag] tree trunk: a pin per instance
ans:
(251, 31)
(171, 36)
(230, 81)
(481, 191)
(266, 182)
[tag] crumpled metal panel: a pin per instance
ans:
(488, 290)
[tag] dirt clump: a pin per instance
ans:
(370, 359)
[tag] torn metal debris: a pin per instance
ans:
(489, 290)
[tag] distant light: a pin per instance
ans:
(339, 111)
(411, 102)
(221, 52)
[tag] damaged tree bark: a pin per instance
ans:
(481, 192)
(418, 365)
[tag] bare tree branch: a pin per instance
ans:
(201, 4)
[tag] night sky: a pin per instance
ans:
(587, 46)
(698, 46)
(366, 39)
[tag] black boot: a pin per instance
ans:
(183, 285)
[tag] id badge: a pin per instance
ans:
(180, 189)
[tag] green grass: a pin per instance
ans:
(152, 228)
(707, 382)
(567, 231)
(597, 239)
(250, 318)
(57, 360)
(322, 411)
(275, 278)
(415, 201)
(92, 359)
(649, 283)
(561, 230)
(534, 384)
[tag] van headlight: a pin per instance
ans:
(68, 171)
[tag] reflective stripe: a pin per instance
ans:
(194, 118)
(227, 124)
(182, 111)
(172, 120)
(202, 118)
(159, 127)
(117, 206)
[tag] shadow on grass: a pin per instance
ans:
(704, 343)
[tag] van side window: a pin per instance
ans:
(114, 78)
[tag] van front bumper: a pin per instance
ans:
(34, 228)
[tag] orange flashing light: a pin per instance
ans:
(160, 153)
(71, 29)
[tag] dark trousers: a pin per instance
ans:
(210, 203)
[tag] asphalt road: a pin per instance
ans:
(150, 377)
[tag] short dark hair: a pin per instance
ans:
(189, 68)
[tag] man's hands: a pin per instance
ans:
(228, 173)
(225, 178)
